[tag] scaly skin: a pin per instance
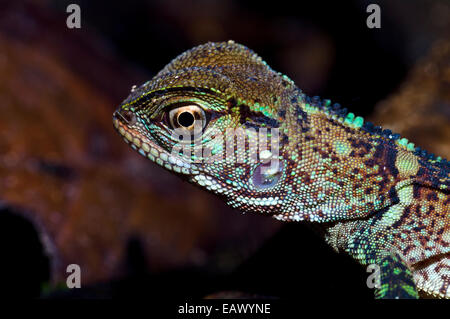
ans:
(375, 195)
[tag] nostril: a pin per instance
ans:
(126, 115)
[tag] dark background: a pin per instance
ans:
(324, 46)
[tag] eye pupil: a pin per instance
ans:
(186, 119)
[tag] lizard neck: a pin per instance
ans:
(340, 168)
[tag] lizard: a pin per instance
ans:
(373, 195)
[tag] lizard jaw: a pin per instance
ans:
(151, 150)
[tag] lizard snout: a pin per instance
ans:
(125, 116)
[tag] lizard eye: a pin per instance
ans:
(187, 117)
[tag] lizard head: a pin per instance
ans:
(220, 117)
(215, 116)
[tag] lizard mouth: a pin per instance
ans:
(149, 149)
